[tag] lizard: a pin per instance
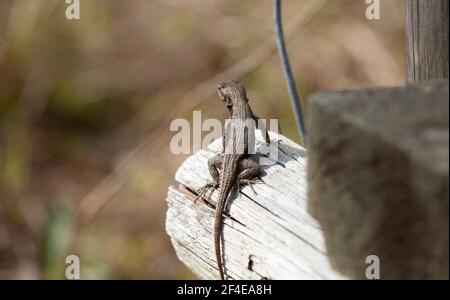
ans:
(233, 167)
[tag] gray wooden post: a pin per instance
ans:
(378, 179)
(378, 162)
(426, 40)
(266, 235)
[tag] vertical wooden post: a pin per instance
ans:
(426, 40)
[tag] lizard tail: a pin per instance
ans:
(218, 224)
(217, 228)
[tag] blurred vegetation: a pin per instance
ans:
(77, 96)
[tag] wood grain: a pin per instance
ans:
(267, 235)
(378, 173)
(426, 40)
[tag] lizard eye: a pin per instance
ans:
(221, 94)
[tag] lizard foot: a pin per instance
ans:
(202, 191)
(250, 182)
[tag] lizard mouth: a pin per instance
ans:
(220, 93)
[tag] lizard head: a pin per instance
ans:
(228, 92)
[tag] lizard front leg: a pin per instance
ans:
(262, 128)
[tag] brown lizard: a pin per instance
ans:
(233, 167)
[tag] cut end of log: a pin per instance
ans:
(267, 235)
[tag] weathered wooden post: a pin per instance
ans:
(426, 40)
(378, 163)
(267, 235)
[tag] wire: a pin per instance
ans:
(292, 89)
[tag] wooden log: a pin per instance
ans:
(378, 175)
(267, 235)
(426, 40)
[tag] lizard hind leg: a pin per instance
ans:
(214, 165)
(248, 174)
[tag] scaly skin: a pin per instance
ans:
(234, 165)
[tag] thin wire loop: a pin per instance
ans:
(292, 89)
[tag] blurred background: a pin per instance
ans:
(85, 109)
